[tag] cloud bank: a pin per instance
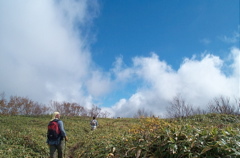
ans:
(197, 80)
(44, 51)
(44, 55)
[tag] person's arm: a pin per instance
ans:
(63, 133)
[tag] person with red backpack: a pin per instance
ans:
(55, 135)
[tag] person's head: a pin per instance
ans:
(56, 115)
(94, 117)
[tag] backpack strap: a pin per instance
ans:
(56, 120)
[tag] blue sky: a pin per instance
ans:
(120, 55)
(172, 29)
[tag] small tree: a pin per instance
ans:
(94, 111)
(179, 108)
(56, 106)
(142, 113)
(222, 105)
(68, 109)
(3, 104)
(24, 106)
(199, 111)
(39, 109)
(104, 114)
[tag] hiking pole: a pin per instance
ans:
(64, 152)
(65, 148)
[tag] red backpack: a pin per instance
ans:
(53, 132)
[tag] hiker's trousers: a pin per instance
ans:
(59, 148)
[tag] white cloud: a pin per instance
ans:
(232, 39)
(235, 56)
(43, 55)
(198, 81)
(205, 41)
(99, 84)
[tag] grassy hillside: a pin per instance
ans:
(209, 135)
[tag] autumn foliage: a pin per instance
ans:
(17, 105)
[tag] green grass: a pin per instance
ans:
(211, 135)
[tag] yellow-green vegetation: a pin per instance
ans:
(211, 135)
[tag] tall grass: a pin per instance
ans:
(211, 135)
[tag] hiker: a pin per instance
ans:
(94, 123)
(55, 136)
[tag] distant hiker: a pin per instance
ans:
(55, 135)
(94, 123)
